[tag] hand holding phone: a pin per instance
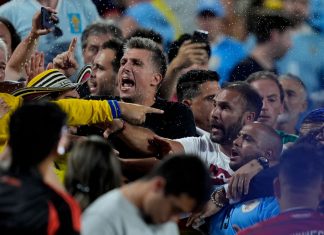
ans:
(48, 19)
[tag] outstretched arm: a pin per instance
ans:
(146, 141)
(22, 54)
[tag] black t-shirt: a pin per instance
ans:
(246, 67)
(177, 121)
(29, 206)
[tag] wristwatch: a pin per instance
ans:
(264, 162)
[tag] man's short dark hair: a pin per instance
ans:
(300, 165)
(147, 33)
(117, 46)
(264, 23)
(175, 46)
(184, 174)
(158, 57)
(188, 83)
(266, 75)
(252, 99)
(34, 130)
(100, 28)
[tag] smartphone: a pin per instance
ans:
(47, 21)
(200, 36)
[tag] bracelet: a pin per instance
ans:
(216, 202)
(115, 108)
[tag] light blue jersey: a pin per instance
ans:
(243, 215)
(224, 56)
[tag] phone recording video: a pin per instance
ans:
(200, 36)
(48, 20)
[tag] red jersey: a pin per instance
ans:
(294, 222)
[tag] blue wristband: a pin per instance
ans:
(115, 109)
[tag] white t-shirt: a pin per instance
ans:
(210, 153)
(113, 214)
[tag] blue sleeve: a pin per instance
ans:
(270, 208)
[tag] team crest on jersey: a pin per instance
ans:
(250, 206)
(75, 23)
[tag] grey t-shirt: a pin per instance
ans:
(113, 214)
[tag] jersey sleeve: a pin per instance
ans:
(85, 112)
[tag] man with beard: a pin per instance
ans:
(142, 68)
(103, 81)
(148, 205)
(255, 141)
(234, 106)
(297, 193)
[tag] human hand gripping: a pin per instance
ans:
(240, 180)
(66, 61)
(135, 113)
(37, 29)
(191, 53)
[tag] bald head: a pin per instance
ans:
(255, 140)
(269, 139)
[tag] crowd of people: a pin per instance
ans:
(112, 121)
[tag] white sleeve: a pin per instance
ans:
(190, 144)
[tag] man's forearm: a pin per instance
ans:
(20, 56)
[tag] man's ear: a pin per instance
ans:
(304, 106)
(248, 117)
(158, 183)
(187, 102)
(157, 79)
(269, 154)
(276, 188)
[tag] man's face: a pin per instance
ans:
(272, 106)
(295, 99)
(226, 116)
(159, 208)
(136, 75)
(298, 9)
(247, 146)
(283, 43)
(92, 48)
(103, 78)
(3, 62)
(202, 105)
